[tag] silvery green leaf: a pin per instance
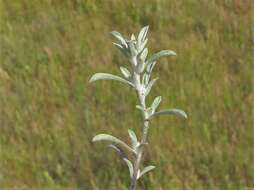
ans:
(125, 72)
(140, 67)
(144, 54)
(118, 45)
(133, 137)
(132, 48)
(138, 173)
(107, 76)
(130, 166)
(149, 69)
(142, 34)
(119, 151)
(149, 111)
(145, 170)
(142, 45)
(122, 49)
(150, 66)
(177, 112)
(119, 37)
(110, 138)
(145, 79)
(160, 54)
(156, 102)
(133, 38)
(150, 85)
(140, 107)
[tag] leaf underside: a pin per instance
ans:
(130, 166)
(145, 170)
(177, 112)
(161, 53)
(107, 76)
(110, 138)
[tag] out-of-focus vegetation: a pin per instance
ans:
(49, 112)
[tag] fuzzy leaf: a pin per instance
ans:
(145, 170)
(133, 37)
(149, 68)
(149, 111)
(156, 103)
(160, 54)
(144, 54)
(119, 151)
(134, 140)
(119, 37)
(177, 112)
(140, 67)
(145, 79)
(132, 48)
(150, 85)
(107, 76)
(140, 107)
(130, 166)
(125, 72)
(138, 173)
(122, 49)
(141, 61)
(118, 45)
(142, 45)
(114, 147)
(110, 138)
(142, 34)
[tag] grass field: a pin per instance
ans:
(49, 112)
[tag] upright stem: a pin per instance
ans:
(139, 155)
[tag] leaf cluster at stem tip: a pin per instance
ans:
(137, 75)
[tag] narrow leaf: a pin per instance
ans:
(132, 48)
(140, 107)
(122, 49)
(118, 45)
(130, 166)
(142, 34)
(138, 173)
(125, 72)
(133, 37)
(150, 85)
(145, 170)
(144, 54)
(110, 138)
(160, 54)
(145, 79)
(156, 103)
(141, 61)
(150, 66)
(107, 76)
(119, 151)
(142, 45)
(149, 111)
(140, 67)
(133, 137)
(119, 37)
(177, 112)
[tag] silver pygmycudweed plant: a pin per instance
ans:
(139, 78)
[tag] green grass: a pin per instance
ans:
(49, 112)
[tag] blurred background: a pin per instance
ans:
(49, 112)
